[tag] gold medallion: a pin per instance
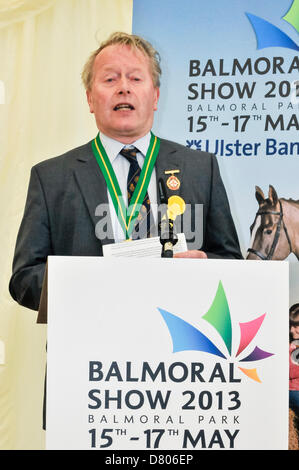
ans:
(173, 183)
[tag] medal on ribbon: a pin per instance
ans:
(173, 183)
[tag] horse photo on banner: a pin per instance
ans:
(275, 230)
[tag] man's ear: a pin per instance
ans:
(89, 101)
(157, 95)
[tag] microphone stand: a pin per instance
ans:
(168, 237)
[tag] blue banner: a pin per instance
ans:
(230, 86)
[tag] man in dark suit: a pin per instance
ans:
(66, 193)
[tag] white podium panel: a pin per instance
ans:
(167, 354)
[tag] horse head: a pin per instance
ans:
(269, 237)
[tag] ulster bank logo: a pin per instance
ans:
(186, 337)
(269, 35)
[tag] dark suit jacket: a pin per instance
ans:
(59, 217)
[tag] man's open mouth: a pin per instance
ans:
(123, 106)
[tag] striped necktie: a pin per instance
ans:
(144, 220)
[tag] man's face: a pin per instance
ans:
(123, 97)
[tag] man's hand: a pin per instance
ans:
(191, 254)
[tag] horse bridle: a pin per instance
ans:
(276, 236)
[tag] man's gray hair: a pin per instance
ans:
(132, 41)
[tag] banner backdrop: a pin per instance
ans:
(230, 87)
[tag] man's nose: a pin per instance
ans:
(124, 86)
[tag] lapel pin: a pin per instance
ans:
(173, 183)
(176, 207)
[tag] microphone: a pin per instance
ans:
(168, 237)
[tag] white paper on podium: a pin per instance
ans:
(144, 248)
(120, 377)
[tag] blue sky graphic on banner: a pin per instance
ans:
(230, 86)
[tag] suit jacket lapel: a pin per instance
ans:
(94, 190)
(167, 160)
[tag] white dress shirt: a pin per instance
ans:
(121, 168)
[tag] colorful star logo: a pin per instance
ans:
(268, 35)
(186, 337)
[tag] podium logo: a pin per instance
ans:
(186, 337)
(269, 35)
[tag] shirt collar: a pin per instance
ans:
(113, 147)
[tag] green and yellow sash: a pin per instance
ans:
(126, 216)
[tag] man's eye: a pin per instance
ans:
(109, 78)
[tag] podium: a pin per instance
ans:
(167, 354)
